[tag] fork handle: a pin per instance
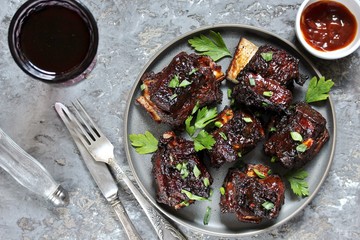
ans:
(163, 228)
(125, 220)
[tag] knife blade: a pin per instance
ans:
(100, 173)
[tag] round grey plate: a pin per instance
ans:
(225, 225)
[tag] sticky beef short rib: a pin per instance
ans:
(255, 91)
(267, 79)
(239, 133)
(180, 176)
(252, 193)
(307, 122)
(283, 67)
(198, 80)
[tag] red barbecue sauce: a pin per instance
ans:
(328, 25)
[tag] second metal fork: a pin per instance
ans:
(102, 150)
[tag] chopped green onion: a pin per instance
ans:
(258, 173)
(268, 93)
(173, 96)
(264, 104)
(229, 92)
(296, 136)
(272, 129)
(207, 216)
(247, 119)
(206, 182)
(185, 203)
(196, 171)
(222, 191)
(301, 148)
(223, 135)
(218, 124)
(273, 159)
(194, 70)
(174, 82)
(252, 81)
(193, 196)
(142, 87)
(267, 56)
(268, 205)
(239, 154)
(184, 83)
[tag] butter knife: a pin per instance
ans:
(29, 172)
(102, 176)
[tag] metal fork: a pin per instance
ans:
(102, 150)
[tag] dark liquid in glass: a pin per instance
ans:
(55, 39)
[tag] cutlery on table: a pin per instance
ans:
(29, 172)
(85, 131)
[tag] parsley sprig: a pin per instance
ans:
(204, 116)
(318, 90)
(297, 182)
(213, 47)
(144, 143)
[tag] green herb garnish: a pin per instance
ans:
(318, 90)
(213, 47)
(296, 136)
(205, 116)
(223, 135)
(193, 196)
(297, 182)
(206, 182)
(301, 148)
(144, 143)
(194, 70)
(196, 171)
(174, 82)
(207, 216)
(247, 119)
(222, 191)
(184, 83)
(267, 56)
(258, 173)
(203, 140)
(252, 81)
(268, 205)
(268, 93)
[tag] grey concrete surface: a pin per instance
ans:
(130, 33)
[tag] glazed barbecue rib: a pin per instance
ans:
(180, 177)
(266, 79)
(170, 95)
(239, 133)
(309, 124)
(283, 67)
(255, 91)
(252, 193)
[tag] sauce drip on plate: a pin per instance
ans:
(55, 39)
(328, 25)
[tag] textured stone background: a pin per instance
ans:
(130, 33)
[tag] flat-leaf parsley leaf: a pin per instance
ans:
(213, 47)
(144, 143)
(318, 90)
(297, 182)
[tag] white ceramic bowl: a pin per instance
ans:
(354, 7)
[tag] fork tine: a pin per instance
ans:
(86, 120)
(77, 128)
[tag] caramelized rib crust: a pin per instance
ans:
(306, 121)
(172, 105)
(283, 68)
(246, 193)
(173, 169)
(256, 91)
(239, 133)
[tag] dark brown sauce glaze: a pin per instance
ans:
(328, 25)
(55, 39)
